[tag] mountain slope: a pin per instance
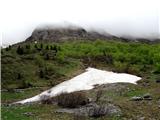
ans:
(63, 34)
(30, 67)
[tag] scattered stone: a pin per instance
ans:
(28, 113)
(158, 81)
(147, 96)
(19, 90)
(158, 104)
(136, 98)
(141, 118)
(4, 90)
(66, 110)
(102, 110)
(93, 110)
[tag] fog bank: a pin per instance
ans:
(136, 18)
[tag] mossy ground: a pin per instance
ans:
(38, 69)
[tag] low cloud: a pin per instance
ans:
(121, 18)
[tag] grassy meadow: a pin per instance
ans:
(30, 68)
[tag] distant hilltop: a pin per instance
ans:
(60, 34)
(66, 33)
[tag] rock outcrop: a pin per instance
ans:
(60, 34)
(63, 34)
(93, 110)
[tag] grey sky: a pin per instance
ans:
(138, 18)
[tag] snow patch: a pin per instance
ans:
(85, 81)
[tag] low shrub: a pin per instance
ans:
(157, 68)
(45, 99)
(98, 95)
(28, 57)
(72, 100)
(121, 67)
(98, 111)
(24, 84)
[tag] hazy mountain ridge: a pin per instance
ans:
(62, 34)
(59, 34)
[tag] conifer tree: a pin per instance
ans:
(20, 50)
(47, 47)
(41, 46)
(28, 47)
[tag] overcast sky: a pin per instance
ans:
(137, 18)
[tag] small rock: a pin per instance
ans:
(136, 98)
(158, 81)
(93, 110)
(4, 90)
(147, 96)
(141, 118)
(28, 113)
(158, 104)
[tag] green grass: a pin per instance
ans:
(47, 113)
(13, 96)
(134, 58)
(19, 112)
(42, 68)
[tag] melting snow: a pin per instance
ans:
(85, 81)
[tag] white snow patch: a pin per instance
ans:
(85, 81)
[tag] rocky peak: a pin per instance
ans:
(62, 34)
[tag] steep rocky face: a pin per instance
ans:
(62, 34)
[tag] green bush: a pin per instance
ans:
(20, 50)
(61, 58)
(120, 67)
(28, 57)
(49, 71)
(39, 61)
(24, 84)
(157, 68)
(64, 58)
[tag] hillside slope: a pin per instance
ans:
(38, 64)
(30, 67)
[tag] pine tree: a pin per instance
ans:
(104, 53)
(9, 47)
(2, 52)
(41, 46)
(47, 47)
(55, 48)
(41, 74)
(19, 76)
(28, 47)
(35, 46)
(47, 56)
(20, 50)
(51, 47)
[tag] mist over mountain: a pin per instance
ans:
(128, 19)
(55, 33)
(62, 33)
(68, 31)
